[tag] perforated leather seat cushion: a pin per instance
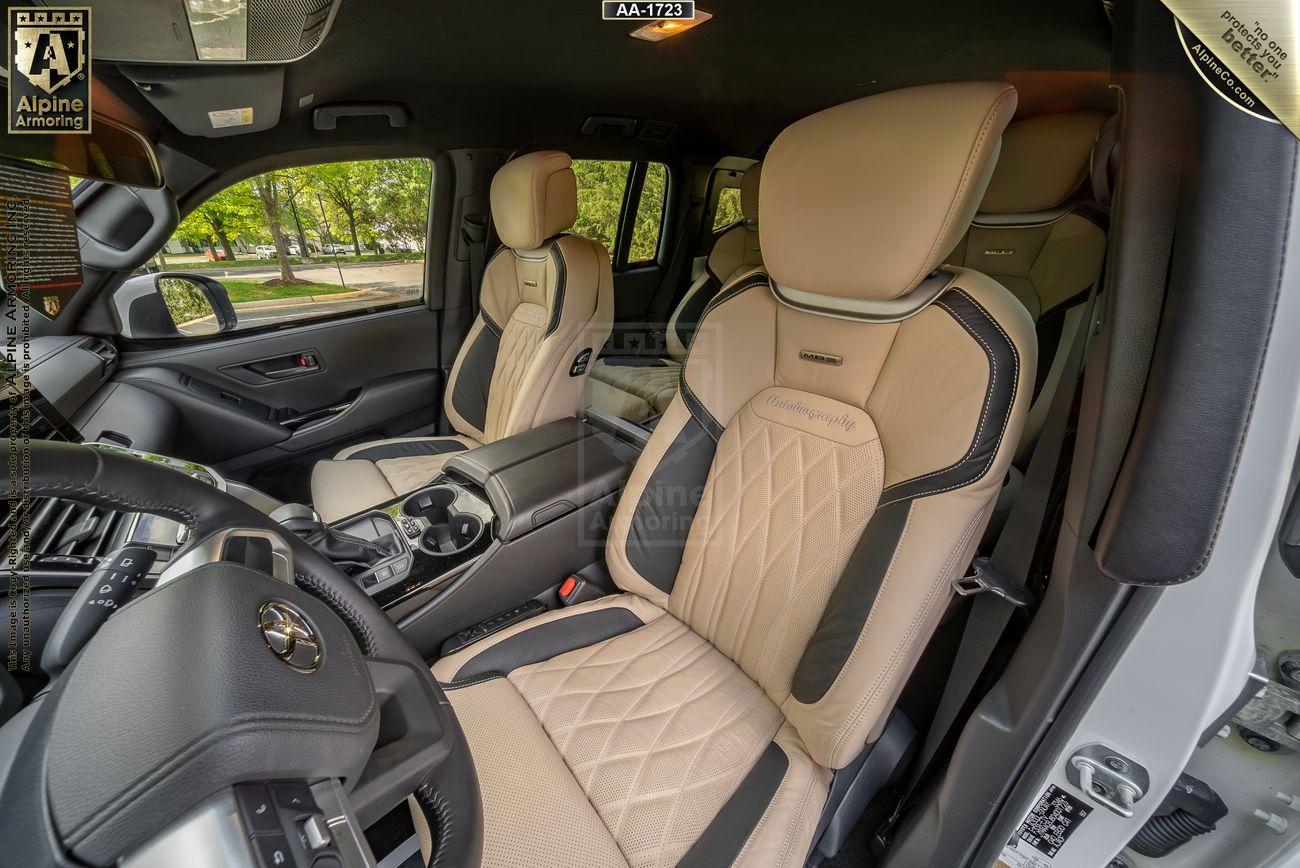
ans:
(656, 730)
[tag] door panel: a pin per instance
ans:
(240, 395)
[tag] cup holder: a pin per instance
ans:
(449, 531)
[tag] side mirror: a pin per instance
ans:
(172, 305)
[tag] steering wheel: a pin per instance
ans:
(218, 678)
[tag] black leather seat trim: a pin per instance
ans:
(692, 309)
(409, 449)
(474, 379)
(561, 277)
(725, 836)
(1004, 378)
(698, 411)
(850, 603)
(545, 641)
(656, 535)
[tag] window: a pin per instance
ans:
(601, 185)
(301, 244)
(602, 189)
(727, 210)
(649, 214)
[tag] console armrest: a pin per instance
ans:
(540, 475)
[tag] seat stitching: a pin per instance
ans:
(988, 395)
(672, 718)
(961, 185)
(699, 750)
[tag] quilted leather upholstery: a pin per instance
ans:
(657, 727)
(781, 512)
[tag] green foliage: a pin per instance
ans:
(728, 209)
(601, 187)
(601, 184)
(185, 301)
(649, 214)
(373, 203)
(223, 218)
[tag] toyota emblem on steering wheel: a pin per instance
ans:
(290, 636)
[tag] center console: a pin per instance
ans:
(502, 525)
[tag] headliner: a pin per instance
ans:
(511, 74)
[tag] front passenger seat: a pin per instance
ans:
(787, 540)
(546, 300)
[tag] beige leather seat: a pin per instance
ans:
(786, 542)
(1041, 232)
(637, 388)
(546, 299)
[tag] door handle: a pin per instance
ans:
(282, 367)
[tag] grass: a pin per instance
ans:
(184, 262)
(255, 290)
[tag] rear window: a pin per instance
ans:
(601, 185)
(728, 208)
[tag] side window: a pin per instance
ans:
(603, 213)
(601, 185)
(727, 211)
(300, 244)
(649, 214)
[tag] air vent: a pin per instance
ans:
(62, 527)
(658, 131)
(107, 352)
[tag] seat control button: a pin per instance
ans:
(295, 797)
(259, 813)
(316, 832)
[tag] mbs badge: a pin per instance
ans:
(49, 70)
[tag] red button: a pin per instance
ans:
(568, 585)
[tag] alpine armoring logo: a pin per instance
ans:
(49, 63)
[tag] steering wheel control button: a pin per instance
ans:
(273, 851)
(316, 832)
(290, 636)
(294, 797)
(327, 861)
(133, 560)
(259, 813)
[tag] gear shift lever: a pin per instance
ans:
(341, 548)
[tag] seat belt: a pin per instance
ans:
(474, 230)
(662, 304)
(998, 582)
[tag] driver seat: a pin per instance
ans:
(787, 541)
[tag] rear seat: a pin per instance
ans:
(1041, 231)
(639, 387)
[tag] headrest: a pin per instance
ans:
(860, 202)
(749, 191)
(534, 197)
(1044, 160)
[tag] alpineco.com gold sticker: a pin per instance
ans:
(49, 70)
(1244, 51)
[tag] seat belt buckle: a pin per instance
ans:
(984, 576)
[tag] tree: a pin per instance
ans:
(398, 200)
(227, 215)
(267, 188)
(295, 187)
(600, 198)
(342, 185)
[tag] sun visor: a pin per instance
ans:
(213, 101)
